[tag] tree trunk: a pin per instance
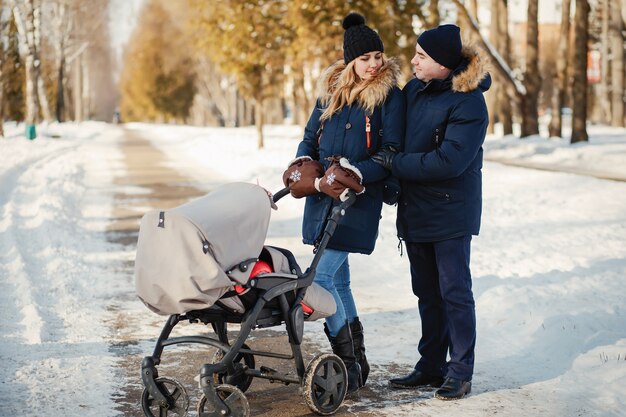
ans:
(78, 90)
(258, 120)
(1, 92)
(24, 14)
(86, 89)
(41, 90)
(474, 8)
(43, 99)
(60, 105)
(579, 89)
(504, 108)
(3, 34)
(603, 111)
(492, 96)
(616, 40)
(32, 98)
(515, 89)
(532, 78)
(555, 127)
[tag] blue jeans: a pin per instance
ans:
(333, 274)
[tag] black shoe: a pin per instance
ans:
(453, 389)
(416, 379)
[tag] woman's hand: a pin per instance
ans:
(339, 178)
(300, 176)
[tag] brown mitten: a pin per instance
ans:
(339, 178)
(300, 176)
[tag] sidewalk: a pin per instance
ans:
(148, 184)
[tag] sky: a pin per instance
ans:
(549, 270)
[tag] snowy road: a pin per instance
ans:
(549, 277)
(55, 282)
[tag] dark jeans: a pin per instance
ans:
(442, 281)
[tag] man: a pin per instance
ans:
(440, 205)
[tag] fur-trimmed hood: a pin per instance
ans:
(375, 92)
(471, 73)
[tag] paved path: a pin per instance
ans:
(149, 183)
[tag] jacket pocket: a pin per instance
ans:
(437, 194)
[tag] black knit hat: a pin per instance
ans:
(443, 44)
(359, 39)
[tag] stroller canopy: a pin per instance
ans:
(188, 257)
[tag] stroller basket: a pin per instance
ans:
(193, 266)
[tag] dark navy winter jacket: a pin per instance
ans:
(344, 134)
(440, 169)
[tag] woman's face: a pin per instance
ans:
(367, 65)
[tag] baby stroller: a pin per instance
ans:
(194, 264)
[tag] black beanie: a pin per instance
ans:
(443, 44)
(358, 39)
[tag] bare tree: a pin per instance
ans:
(500, 108)
(532, 78)
(505, 110)
(3, 33)
(603, 91)
(492, 96)
(616, 40)
(26, 15)
(579, 89)
(62, 28)
(515, 89)
(560, 83)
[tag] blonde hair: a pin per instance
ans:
(345, 87)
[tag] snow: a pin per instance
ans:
(549, 269)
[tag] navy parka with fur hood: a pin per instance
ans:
(440, 169)
(343, 134)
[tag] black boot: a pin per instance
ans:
(359, 348)
(342, 346)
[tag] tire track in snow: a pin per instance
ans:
(54, 354)
(20, 295)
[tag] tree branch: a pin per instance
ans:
(496, 59)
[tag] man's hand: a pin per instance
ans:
(385, 157)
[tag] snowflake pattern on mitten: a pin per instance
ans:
(295, 176)
(331, 178)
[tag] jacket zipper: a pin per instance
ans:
(437, 194)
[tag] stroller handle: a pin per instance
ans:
(350, 197)
(280, 194)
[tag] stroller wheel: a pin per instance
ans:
(232, 396)
(239, 379)
(178, 400)
(325, 384)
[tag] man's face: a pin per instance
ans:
(426, 68)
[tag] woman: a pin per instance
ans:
(360, 110)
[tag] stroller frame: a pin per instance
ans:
(162, 395)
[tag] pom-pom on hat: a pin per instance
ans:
(358, 38)
(443, 44)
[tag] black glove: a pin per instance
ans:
(385, 157)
